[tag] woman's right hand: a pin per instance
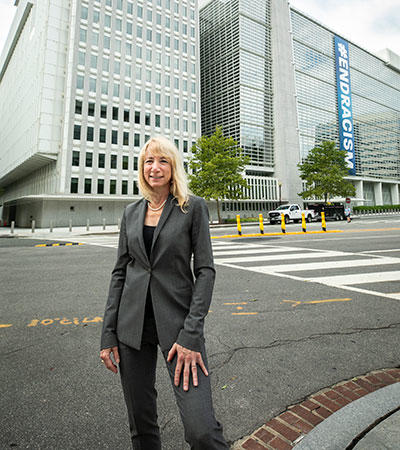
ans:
(105, 356)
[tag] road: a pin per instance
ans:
(290, 315)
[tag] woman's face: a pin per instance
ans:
(157, 170)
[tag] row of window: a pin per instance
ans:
(102, 132)
(101, 162)
(87, 189)
(116, 88)
(178, 25)
(138, 116)
(151, 75)
(119, 5)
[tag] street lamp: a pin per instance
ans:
(280, 192)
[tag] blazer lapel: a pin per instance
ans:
(169, 205)
(140, 220)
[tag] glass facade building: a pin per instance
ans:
(269, 79)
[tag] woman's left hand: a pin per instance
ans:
(188, 360)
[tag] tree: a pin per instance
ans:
(323, 171)
(217, 164)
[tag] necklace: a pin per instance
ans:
(157, 209)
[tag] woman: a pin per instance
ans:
(154, 300)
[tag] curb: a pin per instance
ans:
(284, 431)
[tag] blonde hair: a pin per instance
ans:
(162, 146)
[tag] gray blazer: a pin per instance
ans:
(180, 300)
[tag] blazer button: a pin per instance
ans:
(149, 269)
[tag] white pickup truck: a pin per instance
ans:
(291, 212)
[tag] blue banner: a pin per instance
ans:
(345, 110)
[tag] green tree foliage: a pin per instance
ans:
(323, 171)
(217, 164)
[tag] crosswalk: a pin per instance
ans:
(376, 272)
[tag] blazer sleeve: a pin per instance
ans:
(109, 334)
(191, 335)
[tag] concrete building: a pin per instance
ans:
(273, 77)
(83, 85)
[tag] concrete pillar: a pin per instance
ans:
(394, 192)
(378, 193)
(359, 190)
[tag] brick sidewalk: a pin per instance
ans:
(285, 430)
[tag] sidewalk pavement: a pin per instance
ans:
(362, 414)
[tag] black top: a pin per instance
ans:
(149, 325)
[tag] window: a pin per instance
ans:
(147, 119)
(118, 44)
(176, 124)
(139, 31)
(129, 9)
(89, 134)
(103, 111)
(137, 116)
(138, 95)
(84, 13)
(119, 4)
(129, 28)
(104, 87)
(127, 92)
(148, 75)
(106, 65)
(93, 61)
(149, 15)
(140, 12)
(146, 138)
(79, 82)
(106, 42)
(108, 2)
(77, 132)
(81, 58)
(176, 142)
(148, 97)
(176, 82)
(102, 136)
(137, 140)
(126, 115)
(100, 186)
(102, 160)
(96, 16)
(89, 159)
(115, 113)
(185, 125)
(158, 38)
(167, 80)
(167, 41)
(114, 136)
(92, 84)
(128, 70)
(125, 162)
(116, 90)
(176, 44)
(91, 108)
(138, 52)
(135, 188)
(124, 190)
(82, 35)
(118, 24)
(185, 146)
(158, 19)
(74, 185)
(113, 162)
(107, 21)
(158, 99)
(117, 67)
(78, 107)
(176, 102)
(113, 186)
(128, 49)
(158, 120)
(138, 73)
(149, 35)
(185, 104)
(75, 158)
(95, 38)
(167, 101)
(125, 138)
(167, 121)
(88, 185)
(149, 54)
(135, 163)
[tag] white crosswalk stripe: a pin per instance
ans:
(272, 260)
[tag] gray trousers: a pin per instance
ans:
(138, 376)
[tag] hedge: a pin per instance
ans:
(377, 208)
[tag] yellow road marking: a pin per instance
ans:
(236, 303)
(297, 302)
(5, 325)
(229, 236)
(245, 314)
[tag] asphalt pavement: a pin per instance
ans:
(254, 376)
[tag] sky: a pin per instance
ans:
(372, 24)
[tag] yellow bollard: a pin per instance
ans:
(239, 227)
(283, 224)
(261, 219)
(323, 221)
(303, 223)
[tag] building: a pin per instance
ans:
(83, 85)
(273, 77)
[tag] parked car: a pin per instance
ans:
(333, 211)
(291, 212)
